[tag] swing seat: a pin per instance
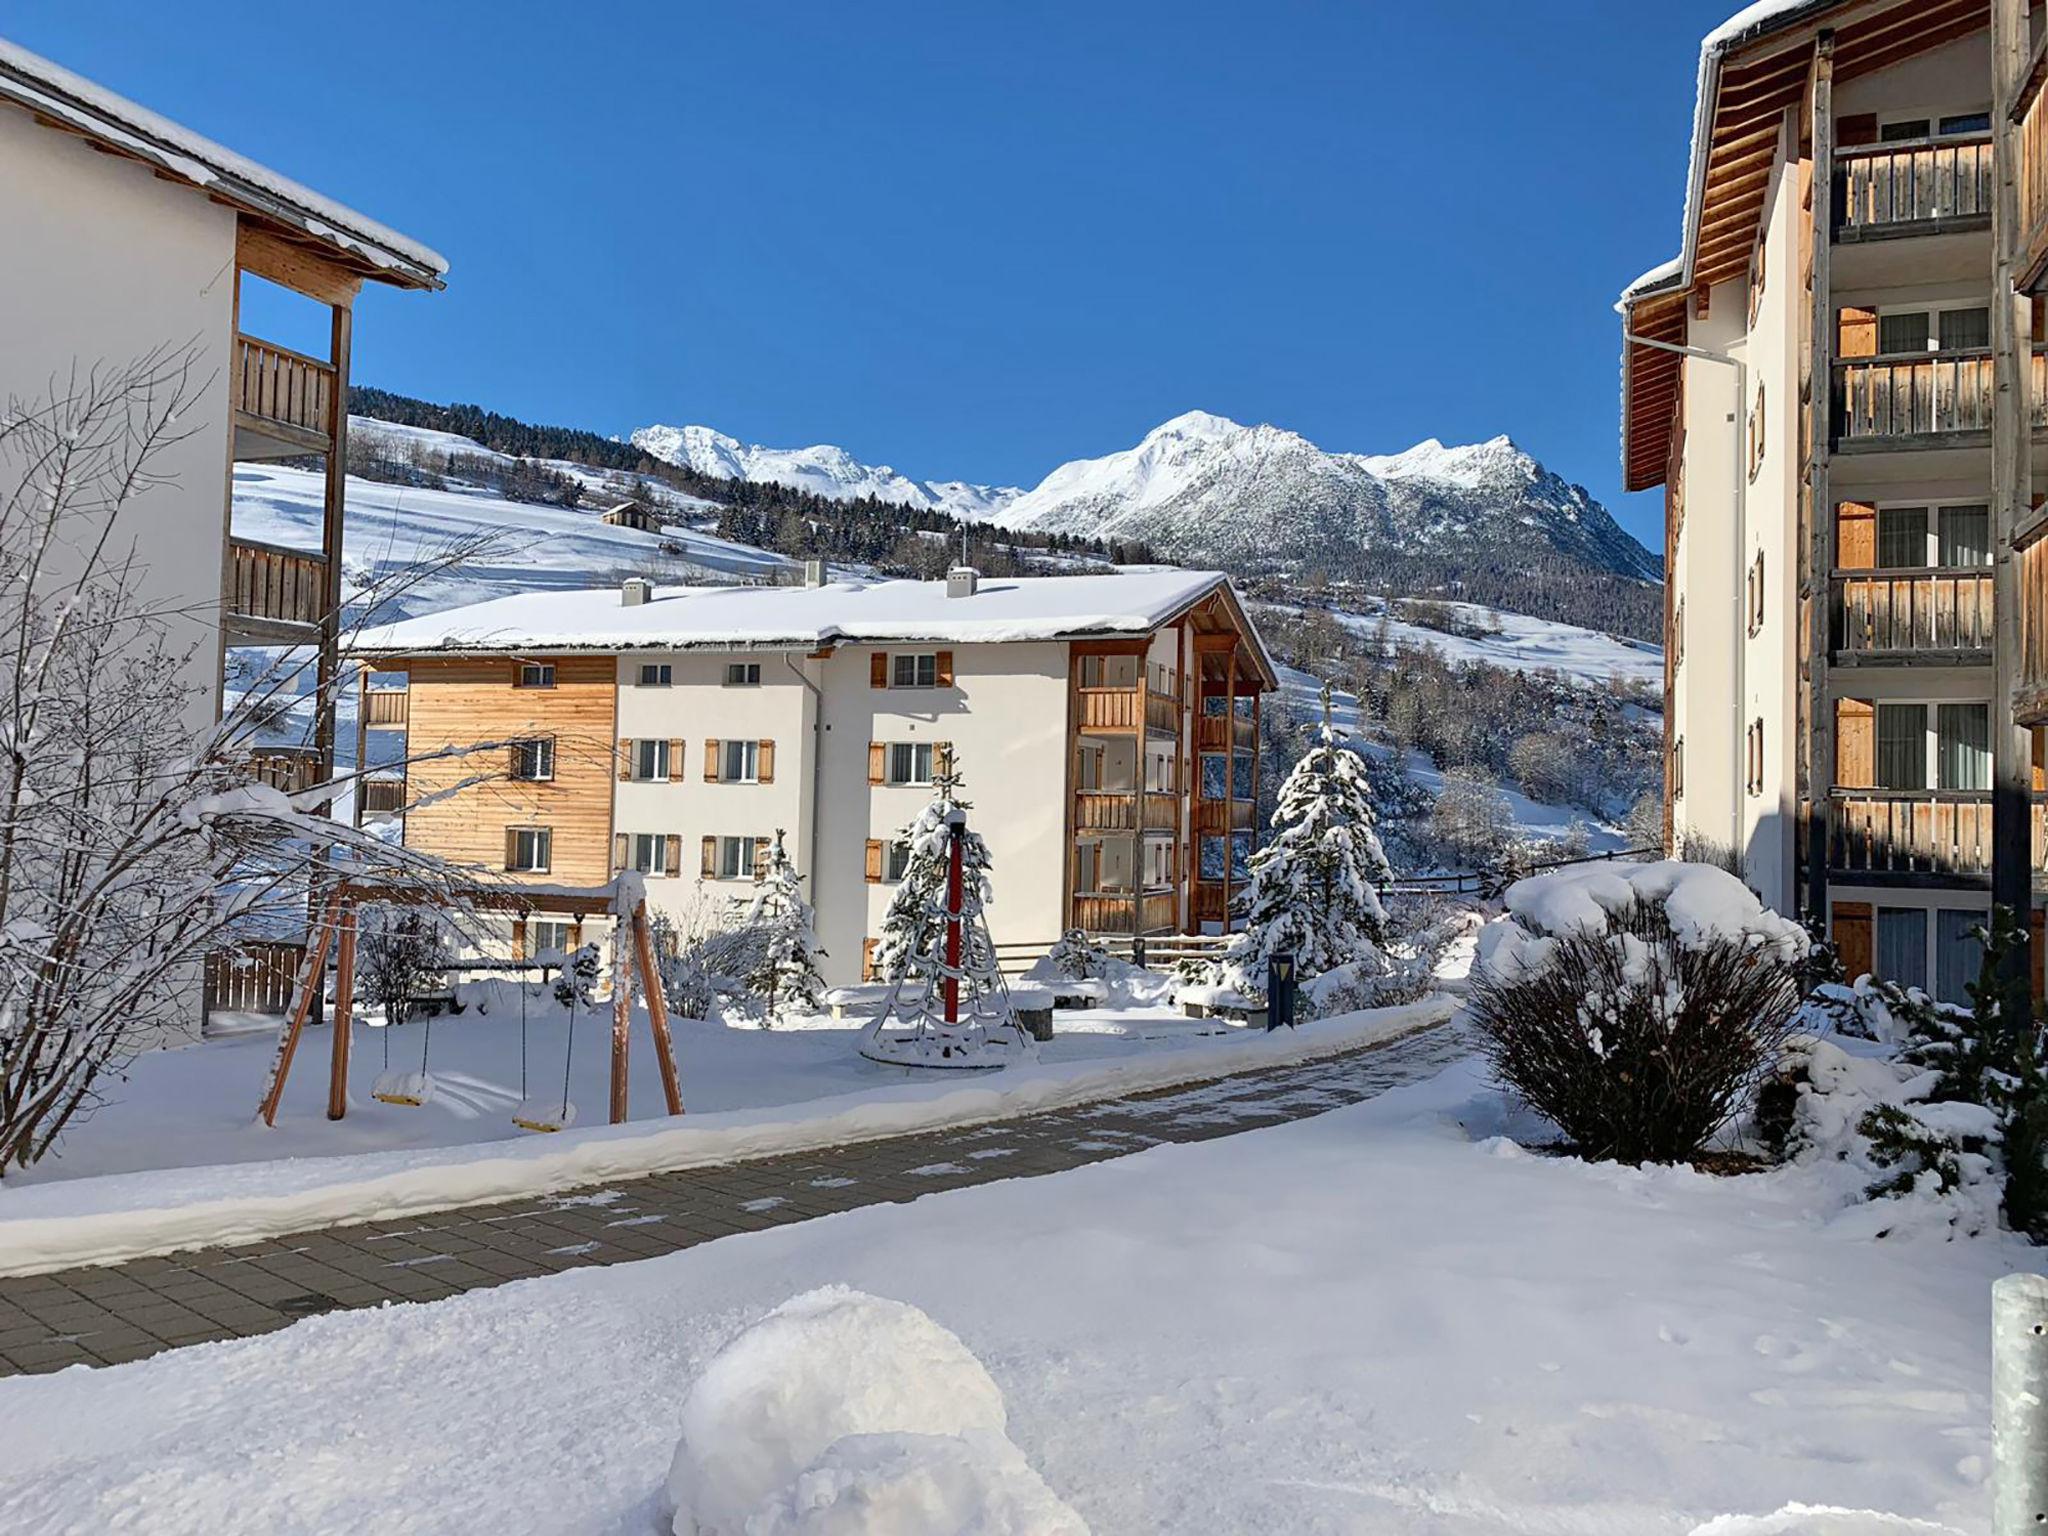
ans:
(409, 1089)
(544, 1115)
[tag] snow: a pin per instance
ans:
(845, 1412)
(1368, 1321)
(1519, 643)
(177, 1159)
(71, 98)
(822, 469)
(1003, 609)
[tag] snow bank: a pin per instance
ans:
(122, 1216)
(841, 1412)
(1818, 1520)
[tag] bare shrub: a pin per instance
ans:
(1637, 1046)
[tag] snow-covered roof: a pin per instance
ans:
(1127, 602)
(56, 93)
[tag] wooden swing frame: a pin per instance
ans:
(633, 968)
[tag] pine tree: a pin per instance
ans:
(911, 954)
(785, 975)
(1310, 891)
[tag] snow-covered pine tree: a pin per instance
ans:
(785, 975)
(1310, 891)
(912, 1028)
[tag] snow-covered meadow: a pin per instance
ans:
(1387, 1319)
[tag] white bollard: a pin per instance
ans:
(2019, 1405)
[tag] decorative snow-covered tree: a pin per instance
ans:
(949, 1006)
(1310, 892)
(785, 975)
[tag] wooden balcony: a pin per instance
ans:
(2030, 697)
(383, 795)
(284, 401)
(1218, 733)
(1121, 709)
(1922, 397)
(1922, 186)
(1153, 912)
(1932, 614)
(1117, 811)
(386, 707)
(276, 596)
(290, 769)
(1910, 832)
(1216, 816)
(2032, 109)
(1162, 714)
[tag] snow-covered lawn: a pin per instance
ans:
(1382, 1320)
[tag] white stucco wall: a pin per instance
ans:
(100, 262)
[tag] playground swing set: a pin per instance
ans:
(633, 969)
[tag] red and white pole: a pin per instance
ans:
(953, 883)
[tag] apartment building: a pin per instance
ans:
(1104, 728)
(128, 234)
(1838, 386)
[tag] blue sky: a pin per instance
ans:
(973, 240)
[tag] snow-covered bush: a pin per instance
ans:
(841, 1412)
(401, 952)
(1637, 1006)
(576, 986)
(784, 974)
(1077, 957)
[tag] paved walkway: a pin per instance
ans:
(103, 1316)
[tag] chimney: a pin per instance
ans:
(814, 573)
(962, 581)
(634, 591)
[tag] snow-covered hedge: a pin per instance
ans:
(1638, 1006)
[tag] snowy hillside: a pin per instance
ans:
(821, 469)
(1514, 640)
(1203, 487)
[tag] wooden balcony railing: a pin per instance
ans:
(1896, 832)
(383, 796)
(1214, 816)
(1920, 181)
(290, 769)
(1111, 810)
(283, 388)
(386, 706)
(2030, 698)
(1891, 613)
(1162, 714)
(1924, 394)
(1162, 812)
(1158, 911)
(275, 585)
(1109, 709)
(2033, 166)
(1216, 733)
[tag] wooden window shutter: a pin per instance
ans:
(1855, 535)
(760, 858)
(519, 938)
(620, 851)
(676, 770)
(878, 762)
(2040, 317)
(709, 865)
(943, 662)
(511, 847)
(1855, 743)
(878, 670)
(764, 762)
(1856, 128)
(710, 761)
(674, 863)
(1852, 937)
(942, 758)
(874, 875)
(867, 959)
(625, 758)
(1856, 332)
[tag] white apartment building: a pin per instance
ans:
(1104, 729)
(1838, 384)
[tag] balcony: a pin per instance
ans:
(386, 708)
(291, 769)
(1923, 186)
(1911, 832)
(284, 401)
(1932, 615)
(1114, 810)
(1162, 714)
(276, 596)
(383, 795)
(1157, 911)
(1216, 816)
(1218, 733)
(1120, 709)
(1923, 399)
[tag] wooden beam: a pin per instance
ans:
(622, 1018)
(657, 1007)
(297, 267)
(311, 978)
(344, 1014)
(1818, 743)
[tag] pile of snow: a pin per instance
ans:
(844, 1414)
(1702, 904)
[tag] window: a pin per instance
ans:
(533, 760)
(1109, 671)
(529, 849)
(1215, 776)
(743, 674)
(650, 758)
(1915, 537)
(535, 674)
(1963, 328)
(1902, 746)
(1211, 854)
(1905, 130)
(1963, 744)
(1966, 122)
(650, 854)
(1158, 862)
(910, 762)
(656, 674)
(741, 762)
(1901, 537)
(1958, 953)
(1902, 945)
(548, 936)
(895, 861)
(1965, 535)
(921, 671)
(737, 857)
